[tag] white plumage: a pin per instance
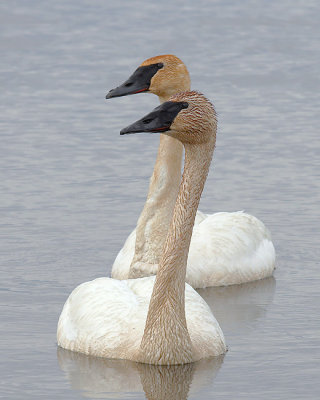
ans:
(226, 249)
(106, 318)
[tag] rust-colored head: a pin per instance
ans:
(162, 75)
(172, 78)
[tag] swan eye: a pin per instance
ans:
(128, 84)
(147, 121)
(160, 65)
(185, 105)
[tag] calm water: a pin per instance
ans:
(72, 188)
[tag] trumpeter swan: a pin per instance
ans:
(158, 320)
(226, 247)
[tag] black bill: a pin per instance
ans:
(138, 82)
(159, 120)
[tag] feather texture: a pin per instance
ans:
(226, 249)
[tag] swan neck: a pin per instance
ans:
(166, 338)
(154, 220)
(196, 168)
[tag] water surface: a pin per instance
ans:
(72, 188)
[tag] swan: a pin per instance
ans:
(155, 320)
(227, 247)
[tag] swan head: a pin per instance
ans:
(161, 75)
(187, 116)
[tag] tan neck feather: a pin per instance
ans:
(154, 221)
(166, 339)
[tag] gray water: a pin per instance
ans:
(72, 188)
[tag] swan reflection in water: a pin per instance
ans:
(109, 379)
(239, 308)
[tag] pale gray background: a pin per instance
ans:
(72, 188)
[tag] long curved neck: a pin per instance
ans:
(154, 221)
(166, 339)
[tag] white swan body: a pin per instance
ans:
(106, 318)
(226, 248)
(155, 320)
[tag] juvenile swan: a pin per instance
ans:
(226, 248)
(173, 325)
